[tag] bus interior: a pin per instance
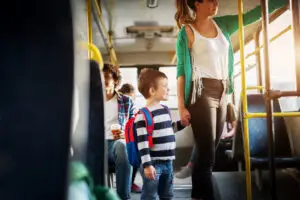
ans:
(46, 52)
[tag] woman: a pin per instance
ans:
(204, 75)
(128, 89)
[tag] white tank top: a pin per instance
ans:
(210, 56)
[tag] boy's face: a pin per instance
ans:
(161, 93)
(109, 82)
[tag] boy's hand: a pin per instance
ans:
(150, 172)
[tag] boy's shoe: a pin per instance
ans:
(184, 172)
(135, 188)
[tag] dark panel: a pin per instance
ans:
(36, 86)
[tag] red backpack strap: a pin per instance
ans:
(149, 124)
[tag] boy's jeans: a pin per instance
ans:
(163, 183)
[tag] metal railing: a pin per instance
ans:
(269, 94)
(107, 34)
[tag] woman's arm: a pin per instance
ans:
(180, 92)
(183, 112)
(180, 48)
(231, 21)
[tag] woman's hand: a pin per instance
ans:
(185, 116)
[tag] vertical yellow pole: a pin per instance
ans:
(89, 24)
(244, 99)
(110, 40)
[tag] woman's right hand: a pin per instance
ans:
(185, 116)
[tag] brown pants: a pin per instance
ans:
(207, 119)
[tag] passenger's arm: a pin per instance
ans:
(142, 139)
(251, 16)
(177, 126)
(183, 112)
(180, 48)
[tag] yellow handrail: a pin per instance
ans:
(112, 52)
(89, 23)
(259, 87)
(244, 98)
(275, 114)
(94, 53)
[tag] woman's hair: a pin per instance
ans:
(114, 71)
(126, 88)
(183, 15)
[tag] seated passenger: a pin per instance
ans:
(118, 109)
(128, 89)
(228, 132)
(156, 169)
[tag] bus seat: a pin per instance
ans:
(258, 137)
(293, 126)
(89, 146)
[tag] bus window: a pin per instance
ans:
(251, 74)
(251, 77)
(282, 65)
(130, 75)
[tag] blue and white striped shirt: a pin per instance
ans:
(163, 136)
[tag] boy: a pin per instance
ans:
(157, 170)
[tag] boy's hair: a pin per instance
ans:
(116, 74)
(126, 88)
(147, 79)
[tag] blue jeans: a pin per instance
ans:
(163, 183)
(117, 154)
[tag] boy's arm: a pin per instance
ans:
(142, 139)
(177, 126)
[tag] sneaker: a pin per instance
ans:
(135, 188)
(184, 172)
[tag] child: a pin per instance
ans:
(157, 169)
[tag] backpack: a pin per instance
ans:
(131, 135)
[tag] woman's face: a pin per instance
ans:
(207, 8)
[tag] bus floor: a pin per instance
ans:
(232, 186)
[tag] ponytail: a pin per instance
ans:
(183, 15)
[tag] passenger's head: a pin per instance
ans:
(153, 84)
(128, 89)
(205, 8)
(112, 77)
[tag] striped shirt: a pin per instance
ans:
(163, 136)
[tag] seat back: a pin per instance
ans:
(258, 135)
(89, 147)
(36, 84)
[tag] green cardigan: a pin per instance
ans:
(228, 24)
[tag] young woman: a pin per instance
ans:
(204, 76)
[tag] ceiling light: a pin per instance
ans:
(152, 3)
